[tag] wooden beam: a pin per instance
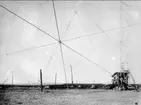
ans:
(55, 78)
(71, 74)
(41, 80)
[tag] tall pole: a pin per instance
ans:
(121, 57)
(60, 42)
(55, 78)
(12, 77)
(41, 80)
(71, 74)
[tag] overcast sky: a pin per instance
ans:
(75, 19)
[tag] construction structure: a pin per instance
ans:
(121, 79)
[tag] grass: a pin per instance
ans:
(68, 97)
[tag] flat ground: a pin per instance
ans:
(68, 97)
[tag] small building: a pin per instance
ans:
(121, 79)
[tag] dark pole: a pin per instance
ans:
(55, 78)
(12, 77)
(71, 74)
(41, 80)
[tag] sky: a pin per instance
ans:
(120, 21)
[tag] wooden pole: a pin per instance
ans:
(55, 78)
(12, 77)
(41, 80)
(71, 74)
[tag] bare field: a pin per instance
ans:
(69, 97)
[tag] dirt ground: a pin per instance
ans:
(69, 97)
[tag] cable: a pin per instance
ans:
(71, 39)
(30, 48)
(86, 58)
(91, 34)
(133, 80)
(14, 15)
(7, 77)
(63, 62)
(5, 80)
(56, 20)
(51, 57)
(121, 57)
(75, 13)
(28, 22)
(48, 62)
(70, 22)
(113, 29)
(102, 31)
(59, 41)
